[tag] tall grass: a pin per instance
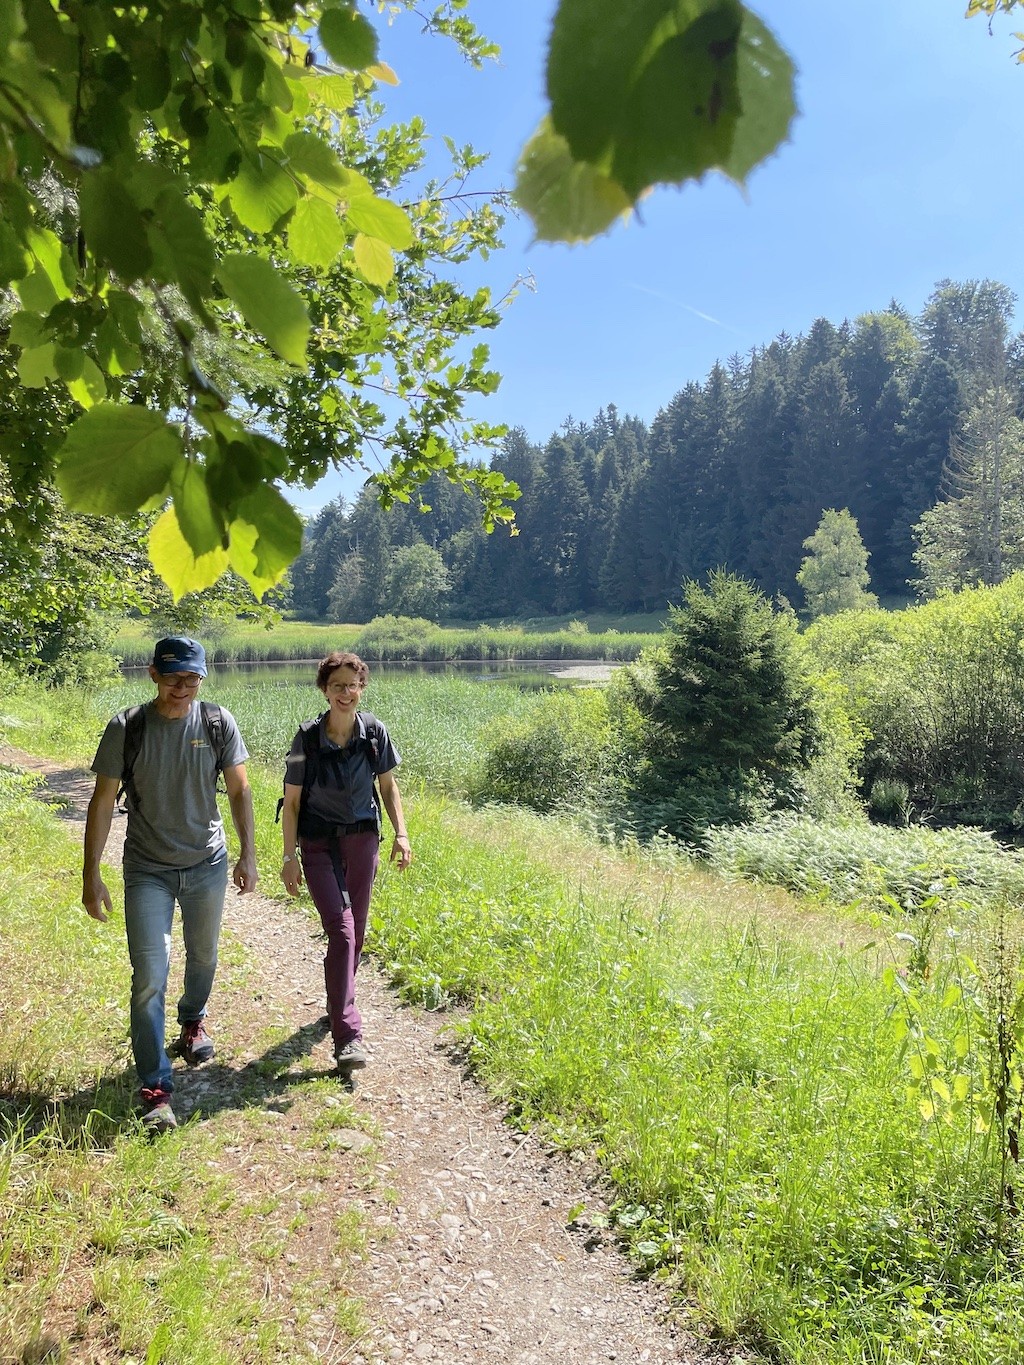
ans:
(437, 722)
(742, 1084)
(390, 638)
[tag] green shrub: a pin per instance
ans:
(393, 637)
(557, 756)
(939, 690)
(728, 725)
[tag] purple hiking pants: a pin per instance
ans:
(345, 926)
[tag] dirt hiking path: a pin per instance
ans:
(469, 1258)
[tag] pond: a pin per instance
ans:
(527, 672)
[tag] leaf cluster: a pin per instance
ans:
(196, 180)
(657, 92)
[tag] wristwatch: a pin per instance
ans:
(289, 858)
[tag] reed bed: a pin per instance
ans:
(391, 639)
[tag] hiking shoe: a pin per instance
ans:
(157, 1114)
(351, 1055)
(194, 1044)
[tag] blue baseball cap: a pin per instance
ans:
(179, 654)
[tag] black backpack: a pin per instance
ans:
(310, 732)
(135, 728)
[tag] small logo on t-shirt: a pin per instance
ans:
(200, 744)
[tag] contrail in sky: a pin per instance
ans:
(704, 317)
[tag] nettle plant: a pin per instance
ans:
(202, 241)
(971, 1066)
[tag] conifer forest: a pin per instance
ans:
(907, 422)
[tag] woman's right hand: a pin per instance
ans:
(291, 875)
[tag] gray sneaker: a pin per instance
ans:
(194, 1044)
(157, 1114)
(351, 1055)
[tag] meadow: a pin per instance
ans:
(795, 1099)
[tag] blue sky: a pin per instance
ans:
(904, 167)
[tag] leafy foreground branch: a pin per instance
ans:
(208, 255)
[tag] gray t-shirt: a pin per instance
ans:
(176, 822)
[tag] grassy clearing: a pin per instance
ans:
(394, 638)
(113, 1246)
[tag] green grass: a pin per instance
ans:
(438, 722)
(393, 638)
(736, 1069)
(113, 1246)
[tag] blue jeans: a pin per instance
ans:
(149, 896)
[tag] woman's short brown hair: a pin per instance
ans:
(340, 658)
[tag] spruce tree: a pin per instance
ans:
(728, 708)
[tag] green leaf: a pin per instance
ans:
(88, 387)
(380, 218)
(569, 201)
(198, 520)
(310, 156)
(268, 303)
(117, 354)
(151, 72)
(315, 233)
(36, 366)
(12, 255)
(115, 458)
(172, 557)
(181, 248)
(765, 77)
(265, 538)
(374, 260)
(348, 38)
(114, 229)
(53, 259)
(27, 330)
(336, 93)
(666, 90)
(262, 193)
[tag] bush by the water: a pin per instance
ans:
(939, 691)
(557, 756)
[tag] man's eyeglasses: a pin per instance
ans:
(188, 680)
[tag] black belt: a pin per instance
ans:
(315, 827)
(360, 827)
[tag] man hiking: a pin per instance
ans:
(166, 756)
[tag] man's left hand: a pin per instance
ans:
(245, 875)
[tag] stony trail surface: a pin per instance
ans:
(470, 1255)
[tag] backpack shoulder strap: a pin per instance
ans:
(309, 731)
(213, 722)
(371, 728)
(134, 729)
